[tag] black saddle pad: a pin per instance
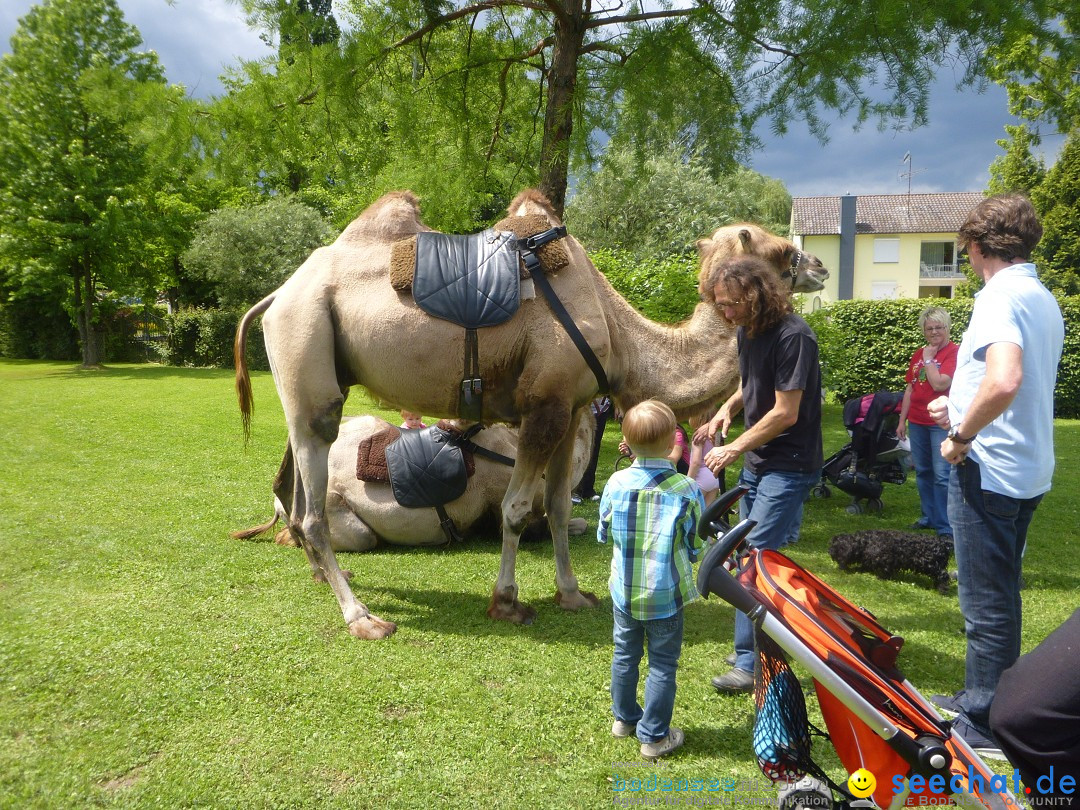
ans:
(470, 280)
(425, 469)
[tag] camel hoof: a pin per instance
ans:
(286, 538)
(372, 628)
(577, 526)
(510, 610)
(576, 600)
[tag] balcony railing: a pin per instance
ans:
(948, 271)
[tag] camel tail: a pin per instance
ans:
(254, 531)
(243, 379)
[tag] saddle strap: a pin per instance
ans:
(536, 270)
(465, 442)
(446, 523)
(471, 400)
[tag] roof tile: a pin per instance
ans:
(886, 213)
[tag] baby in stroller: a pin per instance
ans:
(874, 456)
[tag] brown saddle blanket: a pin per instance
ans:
(552, 255)
(371, 463)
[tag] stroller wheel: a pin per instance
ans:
(874, 505)
(806, 794)
(855, 508)
(821, 491)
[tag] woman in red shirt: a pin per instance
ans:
(929, 376)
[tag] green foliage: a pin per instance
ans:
(1017, 170)
(70, 170)
(866, 345)
(246, 253)
(663, 290)
(33, 327)
(204, 338)
(656, 205)
(1057, 200)
(1039, 68)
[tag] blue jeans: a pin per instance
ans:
(775, 501)
(932, 474)
(664, 638)
(990, 531)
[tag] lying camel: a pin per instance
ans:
(338, 321)
(360, 514)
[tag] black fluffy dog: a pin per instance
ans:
(886, 552)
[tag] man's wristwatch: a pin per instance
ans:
(954, 434)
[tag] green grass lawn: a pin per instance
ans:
(148, 659)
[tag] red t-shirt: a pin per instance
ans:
(922, 393)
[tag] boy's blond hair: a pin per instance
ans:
(649, 428)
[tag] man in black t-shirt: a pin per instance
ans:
(780, 397)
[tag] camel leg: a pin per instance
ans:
(557, 505)
(542, 428)
(310, 525)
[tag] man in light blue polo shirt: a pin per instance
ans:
(1000, 418)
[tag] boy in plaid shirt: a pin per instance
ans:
(650, 513)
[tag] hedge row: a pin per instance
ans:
(204, 337)
(866, 345)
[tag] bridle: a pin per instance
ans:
(798, 259)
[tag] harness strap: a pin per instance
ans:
(536, 270)
(471, 401)
(446, 523)
(464, 440)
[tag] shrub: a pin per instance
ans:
(204, 337)
(664, 290)
(866, 345)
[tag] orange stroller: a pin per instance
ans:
(876, 719)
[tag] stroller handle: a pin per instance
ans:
(713, 577)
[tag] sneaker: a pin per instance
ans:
(734, 682)
(731, 658)
(979, 742)
(921, 523)
(947, 705)
(655, 750)
(594, 498)
(575, 499)
(620, 729)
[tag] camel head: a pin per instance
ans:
(804, 270)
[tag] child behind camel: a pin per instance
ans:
(650, 513)
(411, 421)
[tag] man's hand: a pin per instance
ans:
(720, 457)
(721, 422)
(939, 412)
(954, 452)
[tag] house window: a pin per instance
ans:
(937, 260)
(886, 251)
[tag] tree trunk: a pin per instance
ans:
(89, 339)
(559, 113)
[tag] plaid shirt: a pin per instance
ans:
(650, 512)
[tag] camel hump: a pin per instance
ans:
(394, 216)
(532, 201)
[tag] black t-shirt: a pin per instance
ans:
(784, 358)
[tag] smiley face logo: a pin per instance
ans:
(861, 783)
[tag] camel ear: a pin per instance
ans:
(744, 239)
(704, 247)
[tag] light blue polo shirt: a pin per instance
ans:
(1015, 452)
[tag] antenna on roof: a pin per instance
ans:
(910, 171)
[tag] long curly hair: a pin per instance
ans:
(751, 279)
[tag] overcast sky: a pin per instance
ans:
(197, 40)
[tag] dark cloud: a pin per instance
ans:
(197, 40)
(951, 153)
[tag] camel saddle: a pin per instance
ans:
(371, 463)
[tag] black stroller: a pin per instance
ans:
(872, 458)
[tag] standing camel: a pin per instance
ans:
(338, 322)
